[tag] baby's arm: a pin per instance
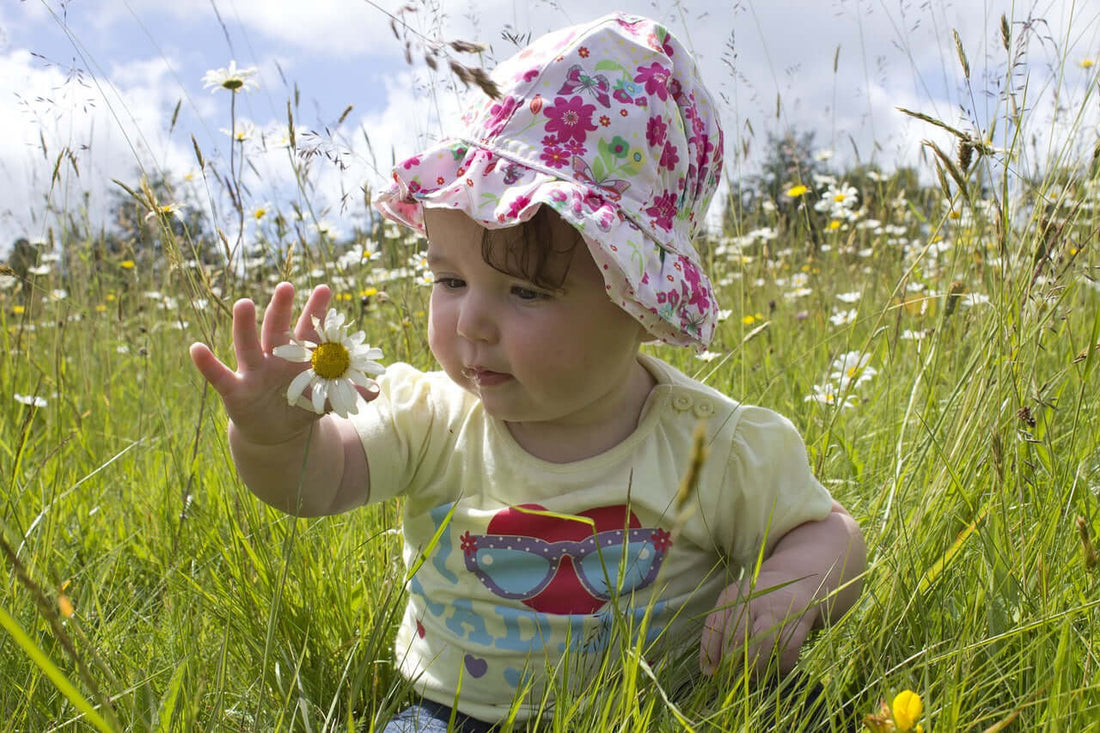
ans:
(815, 572)
(268, 437)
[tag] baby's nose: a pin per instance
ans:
(476, 320)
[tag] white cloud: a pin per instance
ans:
(342, 52)
(98, 130)
(329, 27)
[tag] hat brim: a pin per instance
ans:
(665, 291)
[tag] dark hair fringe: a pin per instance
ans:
(528, 250)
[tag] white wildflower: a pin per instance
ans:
(231, 78)
(337, 364)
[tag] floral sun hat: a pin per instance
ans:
(609, 124)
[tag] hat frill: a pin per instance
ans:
(497, 191)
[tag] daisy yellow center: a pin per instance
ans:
(330, 360)
(233, 83)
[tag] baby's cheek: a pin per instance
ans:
(441, 338)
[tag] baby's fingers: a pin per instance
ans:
(276, 326)
(784, 639)
(315, 308)
(725, 629)
(246, 343)
(220, 376)
(710, 646)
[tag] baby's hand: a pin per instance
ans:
(775, 620)
(255, 395)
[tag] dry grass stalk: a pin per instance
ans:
(435, 51)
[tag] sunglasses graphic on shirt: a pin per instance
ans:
(520, 568)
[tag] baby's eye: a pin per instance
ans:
(450, 283)
(526, 293)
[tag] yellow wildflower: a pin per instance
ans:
(796, 191)
(64, 604)
(901, 718)
(907, 709)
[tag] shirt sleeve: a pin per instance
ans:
(773, 489)
(400, 429)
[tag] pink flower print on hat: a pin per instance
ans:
(655, 79)
(500, 114)
(570, 119)
(609, 124)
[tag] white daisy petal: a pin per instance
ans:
(356, 376)
(298, 385)
(338, 391)
(334, 325)
(342, 397)
(372, 369)
(320, 393)
(293, 352)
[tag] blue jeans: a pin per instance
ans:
(431, 717)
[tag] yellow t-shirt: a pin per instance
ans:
(536, 558)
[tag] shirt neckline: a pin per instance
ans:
(650, 415)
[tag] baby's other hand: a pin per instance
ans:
(751, 623)
(255, 394)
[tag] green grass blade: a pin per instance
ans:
(55, 675)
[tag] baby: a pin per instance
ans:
(540, 468)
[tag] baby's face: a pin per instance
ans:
(530, 354)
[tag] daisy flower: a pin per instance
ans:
(843, 317)
(829, 395)
(30, 400)
(336, 364)
(851, 369)
(231, 78)
(165, 210)
(242, 130)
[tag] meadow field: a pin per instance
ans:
(934, 334)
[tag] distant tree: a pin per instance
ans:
(788, 161)
(24, 256)
(148, 218)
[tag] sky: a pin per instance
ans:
(113, 89)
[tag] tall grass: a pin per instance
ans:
(145, 588)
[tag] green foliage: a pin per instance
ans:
(937, 348)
